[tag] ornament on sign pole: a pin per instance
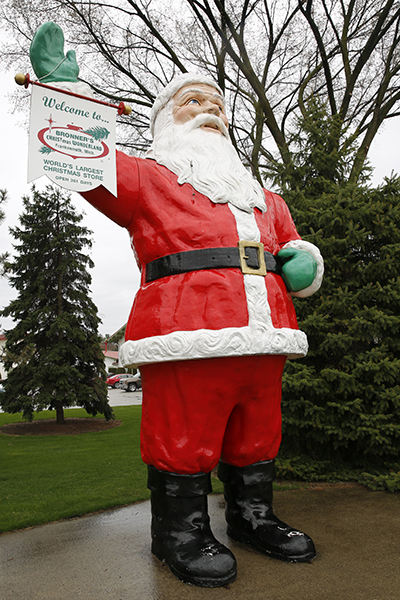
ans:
(22, 79)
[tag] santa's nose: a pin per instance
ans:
(213, 109)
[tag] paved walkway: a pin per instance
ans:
(107, 556)
(118, 397)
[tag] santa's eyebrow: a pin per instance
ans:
(199, 91)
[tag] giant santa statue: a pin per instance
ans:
(211, 325)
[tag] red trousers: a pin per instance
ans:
(196, 412)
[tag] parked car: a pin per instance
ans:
(115, 379)
(133, 383)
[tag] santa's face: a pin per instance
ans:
(199, 99)
(191, 139)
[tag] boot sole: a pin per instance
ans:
(208, 582)
(245, 539)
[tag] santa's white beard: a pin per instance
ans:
(208, 161)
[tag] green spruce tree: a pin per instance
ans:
(52, 354)
(341, 404)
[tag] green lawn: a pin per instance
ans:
(46, 478)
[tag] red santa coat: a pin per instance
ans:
(206, 313)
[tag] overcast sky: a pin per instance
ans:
(115, 277)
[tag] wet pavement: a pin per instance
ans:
(107, 555)
(118, 397)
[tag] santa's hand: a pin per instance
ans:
(299, 268)
(47, 55)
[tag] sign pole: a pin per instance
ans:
(25, 80)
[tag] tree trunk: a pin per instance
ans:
(60, 413)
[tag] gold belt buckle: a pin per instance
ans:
(246, 270)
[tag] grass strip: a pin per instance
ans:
(47, 478)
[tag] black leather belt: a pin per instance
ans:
(249, 257)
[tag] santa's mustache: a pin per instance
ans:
(206, 119)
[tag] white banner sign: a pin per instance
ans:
(72, 141)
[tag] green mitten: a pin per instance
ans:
(299, 268)
(47, 55)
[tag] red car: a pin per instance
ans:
(115, 380)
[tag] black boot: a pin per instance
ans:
(180, 529)
(249, 514)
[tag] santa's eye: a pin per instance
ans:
(193, 101)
